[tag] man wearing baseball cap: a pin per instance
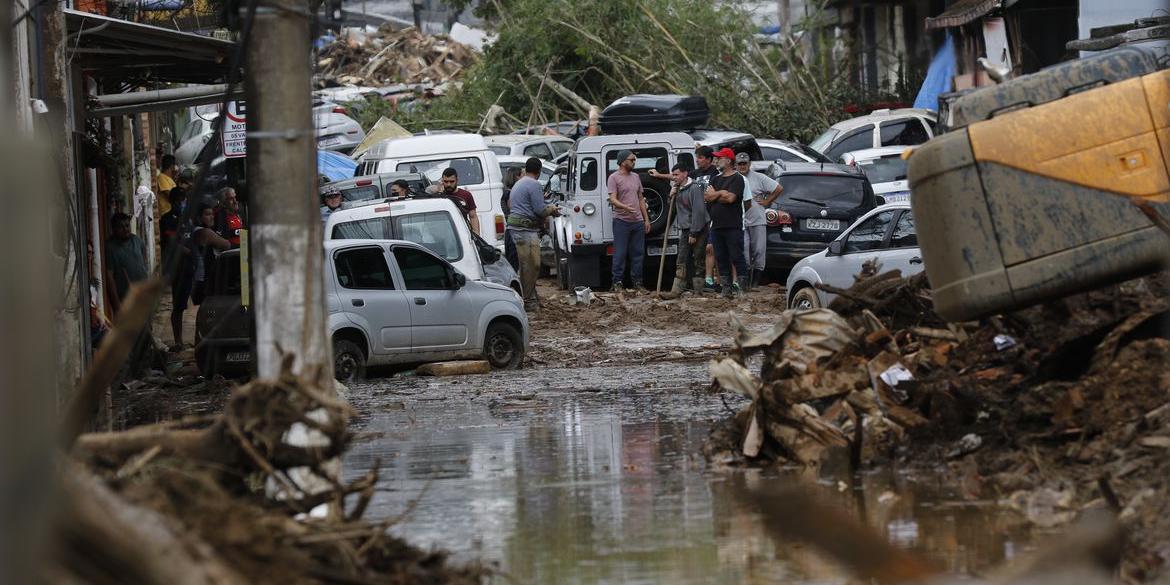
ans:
(761, 192)
(631, 220)
(725, 198)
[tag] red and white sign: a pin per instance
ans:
(235, 130)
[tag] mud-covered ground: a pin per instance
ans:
(639, 327)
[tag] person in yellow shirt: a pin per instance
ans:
(166, 181)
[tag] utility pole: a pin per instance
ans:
(28, 362)
(285, 238)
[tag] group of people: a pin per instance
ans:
(719, 211)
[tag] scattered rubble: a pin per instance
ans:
(385, 56)
(1052, 410)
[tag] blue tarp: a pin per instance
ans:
(335, 166)
(938, 76)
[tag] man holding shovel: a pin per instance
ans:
(691, 219)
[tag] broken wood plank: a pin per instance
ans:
(455, 368)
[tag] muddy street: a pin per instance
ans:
(593, 472)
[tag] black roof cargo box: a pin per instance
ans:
(654, 113)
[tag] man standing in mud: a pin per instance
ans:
(691, 211)
(527, 212)
(725, 195)
(631, 220)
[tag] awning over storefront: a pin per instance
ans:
(119, 50)
(961, 13)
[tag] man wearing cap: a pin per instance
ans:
(761, 192)
(725, 197)
(332, 202)
(631, 221)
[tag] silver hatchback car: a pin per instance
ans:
(395, 302)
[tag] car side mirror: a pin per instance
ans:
(459, 280)
(836, 247)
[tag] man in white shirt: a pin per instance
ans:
(763, 190)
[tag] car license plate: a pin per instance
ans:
(823, 224)
(237, 356)
(331, 141)
(657, 250)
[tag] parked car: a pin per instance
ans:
(223, 328)
(885, 168)
(335, 129)
(818, 202)
(432, 222)
(393, 302)
(547, 169)
(375, 186)
(904, 127)
(390, 302)
(553, 182)
(789, 151)
(884, 235)
(737, 141)
(479, 171)
(542, 146)
(197, 134)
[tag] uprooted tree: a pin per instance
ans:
(603, 50)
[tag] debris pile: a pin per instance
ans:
(1052, 410)
(250, 494)
(386, 56)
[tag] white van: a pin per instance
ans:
(432, 222)
(479, 171)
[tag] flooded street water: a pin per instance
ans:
(594, 475)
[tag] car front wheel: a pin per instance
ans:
(805, 298)
(349, 361)
(503, 346)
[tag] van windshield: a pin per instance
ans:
(469, 169)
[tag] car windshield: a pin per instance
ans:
(831, 190)
(815, 155)
(195, 128)
(376, 228)
(432, 230)
(820, 143)
(884, 170)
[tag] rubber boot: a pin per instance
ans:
(744, 281)
(697, 285)
(678, 287)
(757, 276)
(728, 291)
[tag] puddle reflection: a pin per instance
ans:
(609, 487)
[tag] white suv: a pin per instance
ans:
(904, 127)
(393, 302)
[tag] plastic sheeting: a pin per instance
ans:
(938, 76)
(334, 165)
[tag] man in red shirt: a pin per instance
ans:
(462, 198)
(228, 222)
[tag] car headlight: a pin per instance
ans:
(589, 208)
